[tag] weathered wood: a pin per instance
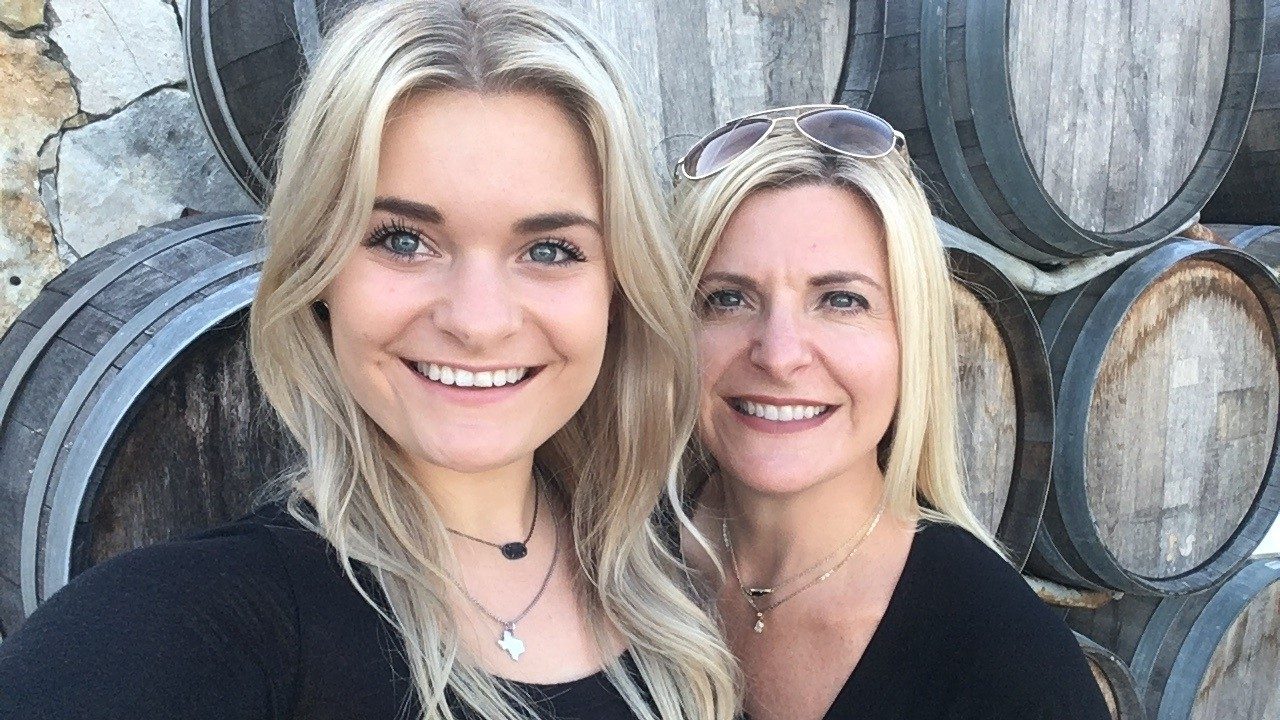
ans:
(1168, 393)
(126, 405)
(1213, 654)
(1004, 400)
(1250, 192)
(695, 64)
(1029, 118)
(1260, 241)
(1119, 689)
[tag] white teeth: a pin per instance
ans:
(466, 378)
(781, 413)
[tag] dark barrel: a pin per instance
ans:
(1119, 689)
(1250, 193)
(128, 403)
(1058, 129)
(1205, 656)
(1167, 386)
(1005, 399)
(695, 64)
(1260, 241)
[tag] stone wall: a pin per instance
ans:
(98, 134)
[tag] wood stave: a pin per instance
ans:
(1033, 449)
(245, 122)
(46, 442)
(1250, 190)
(976, 165)
(1068, 525)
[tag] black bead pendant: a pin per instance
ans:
(514, 550)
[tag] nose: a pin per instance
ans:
(478, 307)
(780, 347)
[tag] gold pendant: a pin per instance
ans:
(759, 626)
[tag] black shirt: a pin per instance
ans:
(965, 638)
(251, 620)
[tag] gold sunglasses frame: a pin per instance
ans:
(899, 140)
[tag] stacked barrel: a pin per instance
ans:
(1053, 134)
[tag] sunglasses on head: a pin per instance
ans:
(838, 128)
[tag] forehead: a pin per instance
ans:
(802, 231)
(471, 150)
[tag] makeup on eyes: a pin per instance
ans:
(389, 229)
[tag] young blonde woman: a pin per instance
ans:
(852, 579)
(471, 320)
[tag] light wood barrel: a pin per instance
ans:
(1119, 689)
(1206, 656)
(695, 63)
(1164, 475)
(127, 403)
(1058, 129)
(1250, 193)
(1005, 400)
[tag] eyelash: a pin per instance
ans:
(390, 228)
(860, 303)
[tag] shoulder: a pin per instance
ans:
(210, 618)
(1011, 652)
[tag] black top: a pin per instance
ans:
(965, 638)
(251, 620)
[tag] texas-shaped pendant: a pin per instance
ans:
(510, 643)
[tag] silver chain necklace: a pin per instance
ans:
(517, 549)
(508, 641)
(751, 593)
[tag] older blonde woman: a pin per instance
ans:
(470, 318)
(852, 579)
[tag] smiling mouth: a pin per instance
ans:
(778, 413)
(450, 376)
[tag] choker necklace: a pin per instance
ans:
(519, 548)
(752, 593)
(508, 641)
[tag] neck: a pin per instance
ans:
(496, 505)
(777, 535)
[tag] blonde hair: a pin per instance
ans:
(919, 455)
(611, 461)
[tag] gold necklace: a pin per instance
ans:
(752, 593)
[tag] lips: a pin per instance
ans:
(454, 376)
(781, 412)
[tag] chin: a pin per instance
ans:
(475, 451)
(774, 476)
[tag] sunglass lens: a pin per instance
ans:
(849, 131)
(716, 151)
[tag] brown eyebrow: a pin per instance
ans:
(409, 208)
(841, 277)
(832, 278)
(542, 222)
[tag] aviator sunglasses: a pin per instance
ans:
(838, 128)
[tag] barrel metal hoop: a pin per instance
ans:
(1211, 624)
(1246, 238)
(940, 120)
(1078, 381)
(856, 84)
(55, 436)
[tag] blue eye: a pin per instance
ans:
(841, 300)
(725, 300)
(397, 239)
(555, 252)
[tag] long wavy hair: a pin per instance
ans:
(611, 462)
(919, 455)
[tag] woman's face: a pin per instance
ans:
(470, 324)
(798, 341)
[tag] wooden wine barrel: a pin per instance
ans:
(1210, 655)
(1260, 241)
(1058, 129)
(1250, 192)
(1005, 399)
(1165, 371)
(1119, 689)
(127, 404)
(696, 64)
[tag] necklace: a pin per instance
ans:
(751, 594)
(508, 641)
(519, 548)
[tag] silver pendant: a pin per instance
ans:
(513, 645)
(759, 626)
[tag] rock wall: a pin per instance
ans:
(98, 134)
